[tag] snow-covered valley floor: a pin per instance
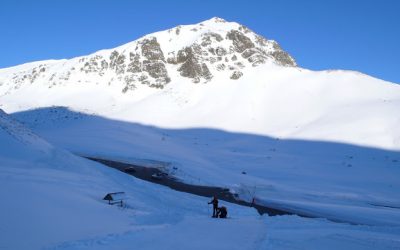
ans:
(342, 182)
(57, 197)
(62, 209)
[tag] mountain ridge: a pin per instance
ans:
(197, 52)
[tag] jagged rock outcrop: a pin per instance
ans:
(240, 41)
(151, 49)
(236, 75)
(191, 65)
(154, 64)
(282, 57)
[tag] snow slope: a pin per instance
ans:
(52, 200)
(338, 181)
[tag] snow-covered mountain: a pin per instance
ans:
(219, 105)
(245, 83)
(198, 52)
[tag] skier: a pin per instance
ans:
(214, 201)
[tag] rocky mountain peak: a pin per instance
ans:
(196, 52)
(215, 20)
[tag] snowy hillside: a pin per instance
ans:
(53, 200)
(338, 181)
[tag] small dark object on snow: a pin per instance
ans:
(115, 198)
(130, 170)
(222, 212)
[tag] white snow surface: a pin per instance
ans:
(325, 144)
(270, 100)
(53, 200)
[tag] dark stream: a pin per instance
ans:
(146, 173)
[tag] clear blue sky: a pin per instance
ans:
(362, 35)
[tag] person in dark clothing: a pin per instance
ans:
(214, 201)
(222, 212)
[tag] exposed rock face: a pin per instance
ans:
(210, 37)
(146, 65)
(191, 66)
(220, 51)
(155, 69)
(96, 64)
(240, 41)
(155, 63)
(135, 66)
(282, 57)
(209, 48)
(236, 75)
(117, 62)
(151, 49)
